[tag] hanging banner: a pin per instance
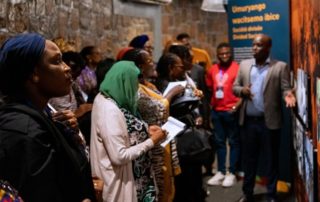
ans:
(251, 17)
(248, 18)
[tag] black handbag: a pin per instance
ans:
(193, 146)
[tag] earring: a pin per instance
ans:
(35, 79)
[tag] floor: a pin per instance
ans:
(232, 194)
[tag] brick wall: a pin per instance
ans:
(92, 22)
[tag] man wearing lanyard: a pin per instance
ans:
(262, 83)
(224, 103)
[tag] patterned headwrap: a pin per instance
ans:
(139, 41)
(18, 58)
(121, 84)
(65, 45)
(122, 52)
(8, 193)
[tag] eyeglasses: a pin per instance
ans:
(179, 66)
(148, 47)
(226, 53)
(95, 53)
(148, 61)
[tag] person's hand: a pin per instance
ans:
(157, 134)
(246, 92)
(174, 91)
(199, 121)
(236, 106)
(233, 110)
(83, 108)
(67, 117)
(198, 93)
(290, 99)
(98, 187)
(86, 200)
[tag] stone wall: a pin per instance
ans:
(124, 29)
(86, 22)
(93, 22)
(207, 29)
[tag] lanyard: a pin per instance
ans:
(221, 79)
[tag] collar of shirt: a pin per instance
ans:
(266, 63)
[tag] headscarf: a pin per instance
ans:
(121, 84)
(139, 41)
(122, 52)
(18, 57)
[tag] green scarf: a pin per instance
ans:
(121, 84)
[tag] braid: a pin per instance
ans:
(163, 64)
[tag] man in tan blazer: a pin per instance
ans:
(262, 83)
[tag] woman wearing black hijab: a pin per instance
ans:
(42, 161)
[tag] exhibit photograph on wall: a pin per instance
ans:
(318, 117)
(302, 95)
(308, 168)
(298, 140)
(318, 109)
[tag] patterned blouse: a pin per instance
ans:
(87, 80)
(8, 193)
(154, 110)
(142, 171)
(71, 101)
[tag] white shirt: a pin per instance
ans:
(110, 151)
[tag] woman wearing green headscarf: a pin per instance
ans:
(120, 140)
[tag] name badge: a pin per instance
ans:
(219, 94)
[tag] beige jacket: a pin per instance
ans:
(110, 151)
(275, 87)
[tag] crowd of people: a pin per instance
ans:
(77, 127)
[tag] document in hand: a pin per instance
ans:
(172, 85)
(173, 127)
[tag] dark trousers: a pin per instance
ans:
(188, 185)
(226, 127)
(257, 138)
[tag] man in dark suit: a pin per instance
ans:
(262, 83)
